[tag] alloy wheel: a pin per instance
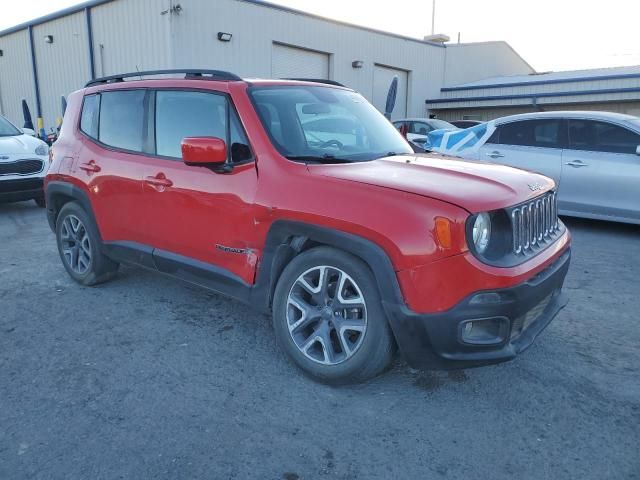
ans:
(75, 244)
(326, 315)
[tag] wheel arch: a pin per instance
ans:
(287, 239)
(58, 194)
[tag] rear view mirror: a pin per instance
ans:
(28, 131)
(204, 151)
(316, 109)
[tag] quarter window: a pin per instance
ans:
(122, 116)
(89, 117)
(601, 137)
(530, 133)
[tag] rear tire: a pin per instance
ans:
(328, 317)
(80, 248)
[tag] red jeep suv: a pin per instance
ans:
(301, 199)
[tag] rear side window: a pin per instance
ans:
(89, 116)
(122, 119)
(601, 137)
(529, 133)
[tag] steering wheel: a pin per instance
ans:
(335, 143)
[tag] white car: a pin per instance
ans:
(24, 161)
(417, 129)
(594, 157)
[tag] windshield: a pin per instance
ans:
(441, 124)
(325, 124)
(7, 129)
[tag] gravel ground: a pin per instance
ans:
(146, 377)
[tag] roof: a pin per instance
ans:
(568, 76)
(588, 114)
(94, 3)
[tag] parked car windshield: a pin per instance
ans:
(7, 129)
(323, 124)
(442, 125)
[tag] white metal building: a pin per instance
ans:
(49, 57)
(609, 89)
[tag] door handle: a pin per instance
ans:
(90, 167)
(159, 181)
(577, 163)
(495, 155)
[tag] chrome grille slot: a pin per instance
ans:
(534, 224)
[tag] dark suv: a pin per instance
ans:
(302, 200)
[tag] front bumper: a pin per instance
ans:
(435, 341)
(21, 189)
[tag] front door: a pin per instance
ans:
(601, 170)
(533, 145)
(201, 222)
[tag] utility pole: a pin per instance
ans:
(433, 18)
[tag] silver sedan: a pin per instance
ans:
(594, 157)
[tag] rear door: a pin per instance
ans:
(534, 145)
(601, 170)
(201, 222)
(111, 162)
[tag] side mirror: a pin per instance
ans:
(28, 131)
(638, 150)
(204, 151)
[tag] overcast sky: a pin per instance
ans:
(549, 34)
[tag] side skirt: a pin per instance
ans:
(177, 266)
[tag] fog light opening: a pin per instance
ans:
(484, 331)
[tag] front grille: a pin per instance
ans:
(523, 322)
(21, 167)
(535, 224)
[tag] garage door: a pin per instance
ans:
(382, 77)
(292, 62)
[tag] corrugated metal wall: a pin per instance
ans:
(63, 66)
(131, 35)
(255, 28)
(475, 61)
(15, 76)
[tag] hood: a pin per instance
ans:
(474, 186)
(20, 144)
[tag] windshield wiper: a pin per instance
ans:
(326, 158)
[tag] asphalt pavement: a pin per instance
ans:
(149, 378)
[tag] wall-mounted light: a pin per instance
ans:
(224, 36)
(48, 38)
(357, 64)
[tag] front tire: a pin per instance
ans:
(79, 247)
(328, 317)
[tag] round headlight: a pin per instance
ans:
(482, 232)
(42, 149)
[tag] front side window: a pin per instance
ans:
(420, 128)
(317, 123)
(181, 114)
(122, 119)
(530, 133)
(7, 129)
(89, 116)
(602, 137)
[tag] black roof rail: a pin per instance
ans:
(193, 74)
(318, 80)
